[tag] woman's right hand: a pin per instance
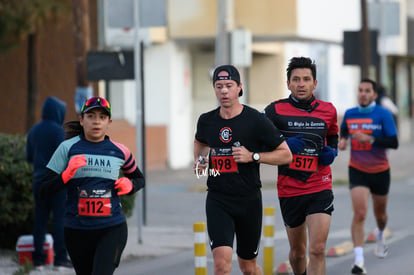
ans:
(74, 164)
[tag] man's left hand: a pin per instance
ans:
(327, 155)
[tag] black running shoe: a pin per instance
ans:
(66, 265)
(356, 269)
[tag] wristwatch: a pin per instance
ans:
(256, 157)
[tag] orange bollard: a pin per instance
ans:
(200, 252)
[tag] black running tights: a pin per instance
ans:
(96, 252)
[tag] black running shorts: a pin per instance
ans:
(295, 209)
(227, 216)
(378, 183)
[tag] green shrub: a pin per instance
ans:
(16, 198)
(127, 201)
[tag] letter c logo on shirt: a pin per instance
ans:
(225, 134)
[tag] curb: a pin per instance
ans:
(335, 251)
(372, 239)
(340, 249)
(347, 246)
(284, 268)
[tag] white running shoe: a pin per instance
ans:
(39, 268)
(358, 270)
(381, 250)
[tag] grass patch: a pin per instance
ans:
(24, 269)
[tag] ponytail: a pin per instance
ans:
(72, 129)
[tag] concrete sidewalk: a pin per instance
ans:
(175, 199)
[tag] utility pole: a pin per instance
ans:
(139, 124)
(225, 24)
(32, 80)
(365, 41)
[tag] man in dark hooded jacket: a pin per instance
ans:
(42, 141)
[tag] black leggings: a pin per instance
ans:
(96, 252)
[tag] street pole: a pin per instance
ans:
(224, 26)
(365, 42)
(139, 114)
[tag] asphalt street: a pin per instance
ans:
(180, 237)
(175, 200)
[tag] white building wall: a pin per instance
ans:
(180, 134)
(117, 93)
(123, 100)
(168, 99)
(343, 81)
(327, 19)
(157, 83)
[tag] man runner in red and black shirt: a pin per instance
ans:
(232, 140)
(305, 185)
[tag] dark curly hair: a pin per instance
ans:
(373, 83)
(299, 63)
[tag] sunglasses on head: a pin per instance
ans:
(97, 101)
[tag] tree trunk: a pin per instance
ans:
(82, 39)
(31, 80)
